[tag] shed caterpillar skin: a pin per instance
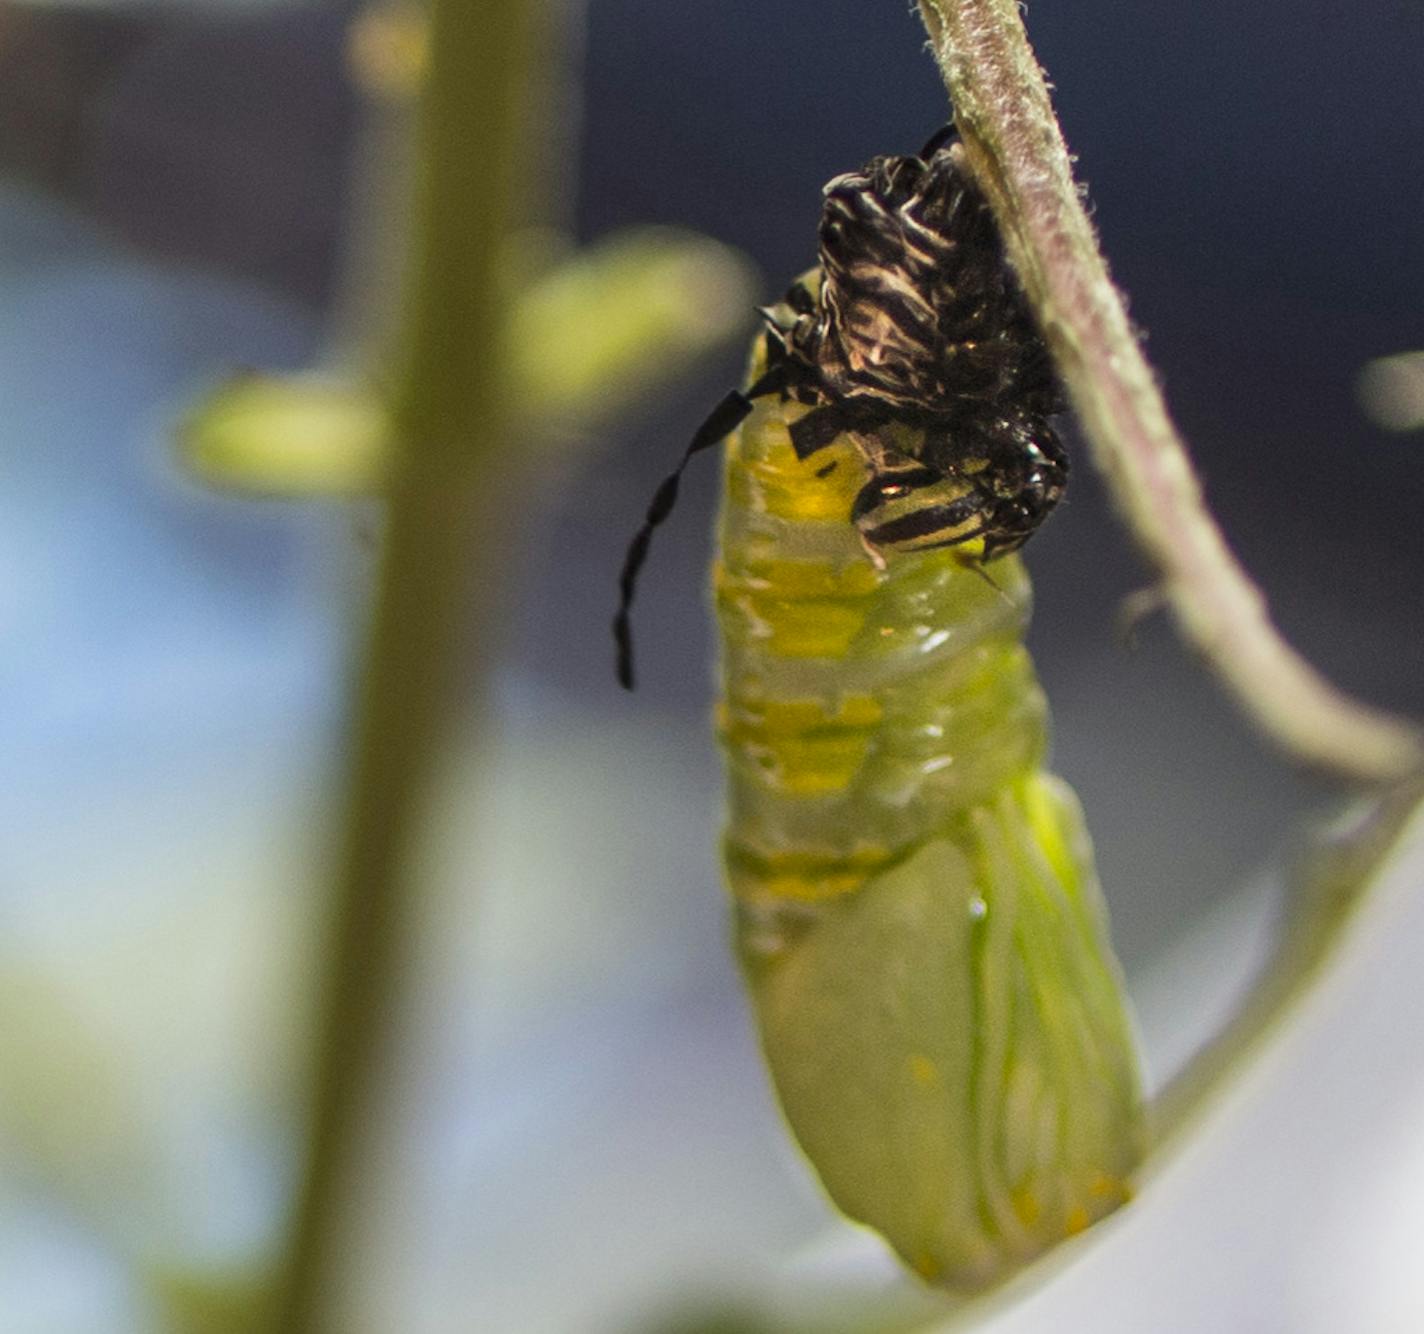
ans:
(913, 342)
(917, 913)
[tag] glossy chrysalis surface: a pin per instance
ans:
(917, 912)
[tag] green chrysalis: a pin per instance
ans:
(917, 912)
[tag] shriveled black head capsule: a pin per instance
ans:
(912, 329)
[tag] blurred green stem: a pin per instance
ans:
(449, 418)
(1337, 870)
(1012, 142)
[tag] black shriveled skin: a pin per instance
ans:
(915, 319)
(913, 338)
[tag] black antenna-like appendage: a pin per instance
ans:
(720, 423)
(941, 138)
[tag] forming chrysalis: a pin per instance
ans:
(917, 912)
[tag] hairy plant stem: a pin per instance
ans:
(1013, 145)
(449, 421)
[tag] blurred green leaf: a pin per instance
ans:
(291, 435)
(619, 319)
(592, 335)
(1391, 391)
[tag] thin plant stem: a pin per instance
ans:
(449, 421)
(1013, 145)
(1333, 878)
